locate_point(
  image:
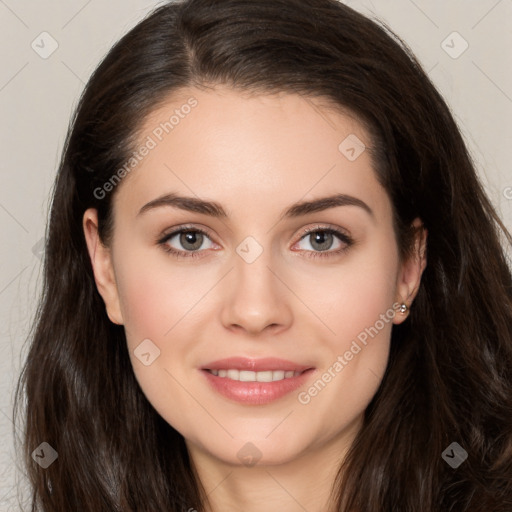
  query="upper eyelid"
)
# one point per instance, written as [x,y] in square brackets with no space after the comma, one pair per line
[173,231]
[325,227]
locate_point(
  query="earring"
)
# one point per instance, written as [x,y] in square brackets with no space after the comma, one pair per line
[403,308]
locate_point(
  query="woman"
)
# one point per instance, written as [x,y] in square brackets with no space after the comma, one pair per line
[255,369]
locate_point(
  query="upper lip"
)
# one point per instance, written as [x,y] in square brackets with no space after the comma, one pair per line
[256,365]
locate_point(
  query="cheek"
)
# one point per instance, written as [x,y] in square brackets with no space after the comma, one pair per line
[159,302]
[350,296]
[355,302]
[156,295]
[163,301]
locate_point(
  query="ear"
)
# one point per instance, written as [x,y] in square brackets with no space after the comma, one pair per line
[103,269]
[411,270]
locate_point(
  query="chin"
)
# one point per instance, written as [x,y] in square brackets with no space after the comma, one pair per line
[256,451]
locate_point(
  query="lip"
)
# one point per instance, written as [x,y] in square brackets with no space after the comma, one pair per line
[255,393]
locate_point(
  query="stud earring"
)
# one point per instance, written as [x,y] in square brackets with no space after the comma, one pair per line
[403,308]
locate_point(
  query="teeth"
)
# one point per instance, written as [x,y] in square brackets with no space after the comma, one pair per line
[233,374]
[267,376]
[250,376]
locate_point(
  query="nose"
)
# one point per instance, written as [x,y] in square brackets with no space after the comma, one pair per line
[256,297]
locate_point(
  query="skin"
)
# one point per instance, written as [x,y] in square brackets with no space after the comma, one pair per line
[256,156]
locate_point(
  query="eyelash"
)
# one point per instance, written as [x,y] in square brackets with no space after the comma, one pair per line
[343,237]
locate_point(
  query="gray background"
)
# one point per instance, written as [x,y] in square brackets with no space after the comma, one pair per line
[37,96]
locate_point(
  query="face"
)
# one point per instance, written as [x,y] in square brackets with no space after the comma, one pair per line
[258,326]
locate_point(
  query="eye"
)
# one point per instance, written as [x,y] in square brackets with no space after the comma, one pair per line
[321,239]
[190,241]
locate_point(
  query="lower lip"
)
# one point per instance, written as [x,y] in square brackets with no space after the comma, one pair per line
[255,393]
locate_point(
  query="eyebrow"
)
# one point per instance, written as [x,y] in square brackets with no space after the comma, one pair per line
[214,209]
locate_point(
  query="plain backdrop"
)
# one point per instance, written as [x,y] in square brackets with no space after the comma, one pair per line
[464,45]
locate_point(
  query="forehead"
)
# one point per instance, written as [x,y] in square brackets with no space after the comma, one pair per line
[265,148]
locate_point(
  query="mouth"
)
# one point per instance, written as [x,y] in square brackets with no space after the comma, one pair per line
[255,381]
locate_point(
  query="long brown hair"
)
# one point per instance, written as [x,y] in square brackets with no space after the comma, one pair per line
[449,377]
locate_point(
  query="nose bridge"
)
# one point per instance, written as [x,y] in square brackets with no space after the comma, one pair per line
[254,279]
[256,296]
[252,268]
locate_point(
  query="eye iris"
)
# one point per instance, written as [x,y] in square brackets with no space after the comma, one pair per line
[191,237]
[319,237]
